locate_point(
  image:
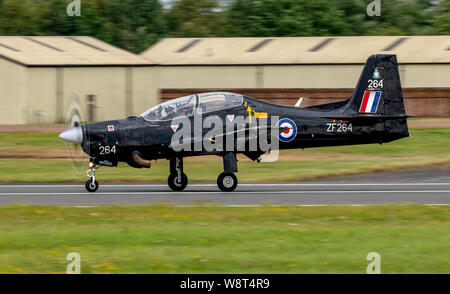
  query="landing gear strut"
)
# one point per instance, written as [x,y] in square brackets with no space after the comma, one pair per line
[91,185]
[177,180]
[227,181]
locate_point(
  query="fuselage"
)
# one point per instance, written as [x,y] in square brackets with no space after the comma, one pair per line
[114,141]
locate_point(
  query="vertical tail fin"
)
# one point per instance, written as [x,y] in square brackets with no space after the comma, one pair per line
[378,90]
[378,96]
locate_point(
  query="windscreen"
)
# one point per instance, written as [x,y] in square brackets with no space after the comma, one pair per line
[180,107]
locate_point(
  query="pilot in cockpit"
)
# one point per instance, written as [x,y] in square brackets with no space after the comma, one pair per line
[170,112]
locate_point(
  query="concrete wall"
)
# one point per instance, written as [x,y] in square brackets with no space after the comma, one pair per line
[41,96]
[425,75]
[292,76]
[53,95]
[12,93]
[208,77]
[145,89]
[119,91]
[107,84]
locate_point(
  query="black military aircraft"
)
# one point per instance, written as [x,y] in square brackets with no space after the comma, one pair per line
[374,113]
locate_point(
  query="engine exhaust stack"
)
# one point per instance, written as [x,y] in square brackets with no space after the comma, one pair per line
[141,162]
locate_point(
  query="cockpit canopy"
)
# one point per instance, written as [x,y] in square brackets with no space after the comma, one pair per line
[185,106]
[179,107]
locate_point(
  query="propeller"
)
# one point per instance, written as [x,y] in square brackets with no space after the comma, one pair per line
[73,137]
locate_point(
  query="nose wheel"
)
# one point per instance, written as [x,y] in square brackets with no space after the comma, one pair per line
[91,184]
[227,182]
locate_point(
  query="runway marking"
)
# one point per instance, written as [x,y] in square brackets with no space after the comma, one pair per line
[150,193]
[243,185]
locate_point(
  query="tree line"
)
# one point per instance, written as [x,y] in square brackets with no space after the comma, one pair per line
[136,24]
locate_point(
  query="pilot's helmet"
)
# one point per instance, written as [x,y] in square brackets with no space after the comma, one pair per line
[170,110]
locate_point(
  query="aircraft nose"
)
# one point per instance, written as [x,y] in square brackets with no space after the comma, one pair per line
[73,135]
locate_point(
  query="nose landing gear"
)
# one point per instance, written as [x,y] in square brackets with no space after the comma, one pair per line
[91,184]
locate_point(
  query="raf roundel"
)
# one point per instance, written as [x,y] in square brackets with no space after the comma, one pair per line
[288,130]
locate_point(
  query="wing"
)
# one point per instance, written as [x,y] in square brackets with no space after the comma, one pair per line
[241,136]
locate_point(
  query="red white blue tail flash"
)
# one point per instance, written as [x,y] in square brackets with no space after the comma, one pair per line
[370,101]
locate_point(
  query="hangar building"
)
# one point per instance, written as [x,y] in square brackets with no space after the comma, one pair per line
[51,79]
[324,69]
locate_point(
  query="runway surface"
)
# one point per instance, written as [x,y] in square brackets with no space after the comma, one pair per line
[431,186]
[273,193]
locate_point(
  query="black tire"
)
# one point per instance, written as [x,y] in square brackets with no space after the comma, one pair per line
[227,182]
[91,187]
[173,183]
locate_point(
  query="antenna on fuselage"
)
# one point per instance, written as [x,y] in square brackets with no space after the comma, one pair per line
[299,101]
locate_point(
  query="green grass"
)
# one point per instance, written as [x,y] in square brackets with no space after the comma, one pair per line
[428,119]
[426,146]
[30,139]
[34,171]
[217,239]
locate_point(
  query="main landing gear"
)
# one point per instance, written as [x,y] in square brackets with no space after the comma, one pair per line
[177,180]
[91,185]
[226,181]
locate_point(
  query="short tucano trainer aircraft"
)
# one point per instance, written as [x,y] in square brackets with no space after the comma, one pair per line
[196,124]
